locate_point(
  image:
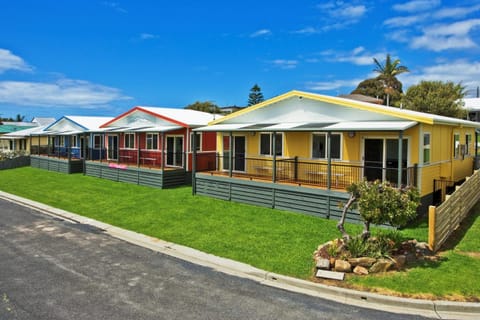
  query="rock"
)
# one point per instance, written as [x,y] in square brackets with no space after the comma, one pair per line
[423,248]
[400,261]
[342,266]
[381,265]
[361,271]
[323,264]
[362,261]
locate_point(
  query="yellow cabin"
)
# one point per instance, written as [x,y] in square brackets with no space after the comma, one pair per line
[299,151]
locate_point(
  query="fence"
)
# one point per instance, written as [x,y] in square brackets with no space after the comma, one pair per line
[293,170]
[23,161]
[446,218]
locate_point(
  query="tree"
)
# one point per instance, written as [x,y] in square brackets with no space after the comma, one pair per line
[385,86]
[389,70]
[205,106]
[19,118]
[388,73]
[380,203]
[437,97]
[255,96]
[375,87]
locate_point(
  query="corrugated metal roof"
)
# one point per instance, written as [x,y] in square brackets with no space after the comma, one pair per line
[320,105]
[315,126]
[74,124]
[186,116]
[23,133]
[472,104]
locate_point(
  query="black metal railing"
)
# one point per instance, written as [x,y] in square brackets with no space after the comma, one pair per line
[293,170]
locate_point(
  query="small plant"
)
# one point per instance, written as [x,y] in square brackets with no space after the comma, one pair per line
[357,247]
[332,249]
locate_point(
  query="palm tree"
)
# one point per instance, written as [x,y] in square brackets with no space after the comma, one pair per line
[388,73]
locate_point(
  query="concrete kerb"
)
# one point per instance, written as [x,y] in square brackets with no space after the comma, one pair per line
[428,308]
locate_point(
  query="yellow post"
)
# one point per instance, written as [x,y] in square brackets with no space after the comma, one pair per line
[431,227]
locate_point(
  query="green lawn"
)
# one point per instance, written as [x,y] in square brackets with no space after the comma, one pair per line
[273,240]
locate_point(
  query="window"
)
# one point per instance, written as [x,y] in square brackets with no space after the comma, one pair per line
[152,141]
[456,145]
[129,141]
[198,141]
[74,141]
[426,148]
[175,151]
[468,142]
[96,141]
[319,145]
[60,141]
[266,144]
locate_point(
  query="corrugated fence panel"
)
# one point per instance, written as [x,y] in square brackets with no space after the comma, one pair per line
[76,166]
[128,176]
[151,179]
[93,170]
[251,194]
[109,173]
[23,161]
[214,189]
[144,177]
[174,178]
[317,202]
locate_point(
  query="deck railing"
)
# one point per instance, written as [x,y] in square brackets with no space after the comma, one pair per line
[302,172]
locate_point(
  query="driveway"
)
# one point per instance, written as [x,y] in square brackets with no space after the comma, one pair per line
[55,269]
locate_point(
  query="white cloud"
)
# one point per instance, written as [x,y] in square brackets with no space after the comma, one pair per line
[339,14]
[284,64]
[64,92]
[352,11]
[404,21]
[115,6]
[260,33]
[458,28]
[455,12]
[343,9]
[417,5]
[447,36]
[148,36]
[358,56]
[306,30]
[9,61]
[332,85]
[461,71]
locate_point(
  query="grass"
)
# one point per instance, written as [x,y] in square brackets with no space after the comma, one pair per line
[273,240]
[454,277]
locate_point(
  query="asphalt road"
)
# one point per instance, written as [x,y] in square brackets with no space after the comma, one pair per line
[55,269]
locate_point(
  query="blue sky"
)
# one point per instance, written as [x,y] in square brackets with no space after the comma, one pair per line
[94,57]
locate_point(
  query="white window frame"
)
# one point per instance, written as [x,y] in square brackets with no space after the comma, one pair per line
[427,147]
[150,136]
[270,144]
[129,134]
[199,144]
[456,145]
[325,134]
[468,142]
[74,141]
[99,145]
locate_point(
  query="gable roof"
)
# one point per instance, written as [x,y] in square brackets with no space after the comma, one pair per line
[159,119]
[310,108]
[75,124]
[22,133]
[43,121]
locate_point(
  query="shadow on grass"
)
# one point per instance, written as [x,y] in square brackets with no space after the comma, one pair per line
[457,236]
